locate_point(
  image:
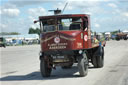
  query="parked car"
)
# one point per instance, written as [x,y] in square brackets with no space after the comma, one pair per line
[2,42]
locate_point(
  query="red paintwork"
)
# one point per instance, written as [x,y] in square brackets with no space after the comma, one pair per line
[69,40]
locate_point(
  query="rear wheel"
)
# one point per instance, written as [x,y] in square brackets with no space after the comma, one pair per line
[83,65]
[44,68]
[98,60]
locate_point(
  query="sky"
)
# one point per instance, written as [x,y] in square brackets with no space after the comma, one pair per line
[106,15]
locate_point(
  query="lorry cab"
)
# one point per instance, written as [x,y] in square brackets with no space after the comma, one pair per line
[65,32]
[65,40]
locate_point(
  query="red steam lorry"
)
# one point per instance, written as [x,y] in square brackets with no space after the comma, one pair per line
[66,39]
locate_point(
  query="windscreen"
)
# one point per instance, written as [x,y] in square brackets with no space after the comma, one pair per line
[61,24]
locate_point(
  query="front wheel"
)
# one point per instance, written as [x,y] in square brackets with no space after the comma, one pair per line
[83,65]
[98,60]
[45,70]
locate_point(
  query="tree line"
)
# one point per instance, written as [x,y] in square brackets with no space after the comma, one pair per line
[34,31]
[9,33]
[37,31]
[30,31]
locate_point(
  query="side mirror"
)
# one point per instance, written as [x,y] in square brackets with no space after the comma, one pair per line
[36,21]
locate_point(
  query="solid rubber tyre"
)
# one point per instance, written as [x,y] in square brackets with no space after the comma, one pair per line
[83,65]
[98,60]
[44,69]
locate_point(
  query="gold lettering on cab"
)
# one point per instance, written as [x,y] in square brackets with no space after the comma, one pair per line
[66,38]
[57,46]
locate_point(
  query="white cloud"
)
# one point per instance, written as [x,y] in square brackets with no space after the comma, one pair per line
[85,6]
[97,25]
[89,0]
[0,12]
[109,19]
[22,3]
[3,26]
[88,13]
[37,11]
[34,13]
[93,10]
[31,18]
[10,12]
[61,5]
[125,14]
[115,11]
[34,26]
[8,5]
[112,5]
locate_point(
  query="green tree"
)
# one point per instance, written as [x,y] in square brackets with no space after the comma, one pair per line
[14,33]
[34,31]
[31,31]
[38,31]
[114,32]
[9,33]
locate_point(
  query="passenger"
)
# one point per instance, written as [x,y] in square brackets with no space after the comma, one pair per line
[95,40]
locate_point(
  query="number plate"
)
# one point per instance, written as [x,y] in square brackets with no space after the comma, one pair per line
[58,57]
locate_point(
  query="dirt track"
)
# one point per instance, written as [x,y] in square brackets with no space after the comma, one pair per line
[20,66]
